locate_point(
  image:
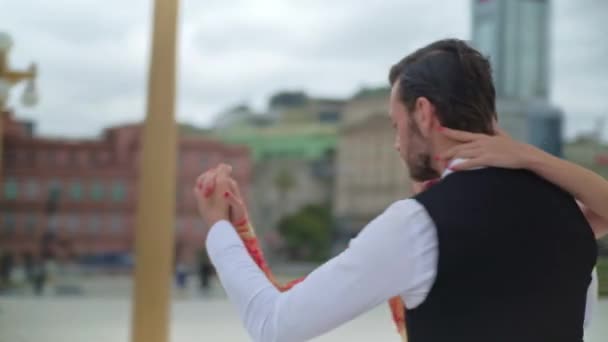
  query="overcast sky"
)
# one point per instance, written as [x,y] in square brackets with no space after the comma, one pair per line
[93,54]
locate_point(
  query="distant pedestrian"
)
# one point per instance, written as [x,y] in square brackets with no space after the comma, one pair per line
[39,275]
[205,270]
[6,268]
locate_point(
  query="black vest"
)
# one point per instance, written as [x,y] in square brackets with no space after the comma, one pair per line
[515,261]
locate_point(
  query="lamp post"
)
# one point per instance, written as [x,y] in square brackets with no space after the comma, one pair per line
[156,198]
[9,78]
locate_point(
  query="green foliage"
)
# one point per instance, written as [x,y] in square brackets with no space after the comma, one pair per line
[602,270]
[307,233]
[284,181]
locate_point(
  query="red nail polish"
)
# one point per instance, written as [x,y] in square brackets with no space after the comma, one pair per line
[440,129]
[241,222]
[208,192]
[226,194]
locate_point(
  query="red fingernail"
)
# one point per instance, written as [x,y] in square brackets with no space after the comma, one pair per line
[208,192]
[440,128]
[438,158]
[226,194]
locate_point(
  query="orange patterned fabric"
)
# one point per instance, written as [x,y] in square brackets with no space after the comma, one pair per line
[247,234]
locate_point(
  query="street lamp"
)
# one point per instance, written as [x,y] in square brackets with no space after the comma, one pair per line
[9,78]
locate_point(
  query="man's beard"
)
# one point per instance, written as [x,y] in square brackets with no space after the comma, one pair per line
[418,159]
[420,167]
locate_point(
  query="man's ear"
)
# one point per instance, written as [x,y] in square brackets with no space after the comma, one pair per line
[426,117]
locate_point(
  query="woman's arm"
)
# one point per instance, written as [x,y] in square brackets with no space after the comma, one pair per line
[586,186]
[503,151]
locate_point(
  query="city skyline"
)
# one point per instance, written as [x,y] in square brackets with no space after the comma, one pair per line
[93,55]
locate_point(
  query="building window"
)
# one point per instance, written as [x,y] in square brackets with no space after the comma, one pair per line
[50,157]
[94,224]
[84,157]
[97,191]
[8,224]
[118,191]
[32,189]
[53,223]
[98,158]
[76,191]
[329,117]
[30,224]
[73,158]
[72,224]
[10,158]
[205,163]
[10,189]
[54,190]
[116,224]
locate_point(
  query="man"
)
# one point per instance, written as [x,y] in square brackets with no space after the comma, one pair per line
[484,255]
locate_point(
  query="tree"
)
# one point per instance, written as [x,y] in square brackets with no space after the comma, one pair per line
[284,181]
[307,233]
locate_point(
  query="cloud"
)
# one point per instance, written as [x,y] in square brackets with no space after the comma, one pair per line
[93,54]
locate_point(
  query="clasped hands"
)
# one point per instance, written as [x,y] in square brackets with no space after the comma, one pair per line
[218,197]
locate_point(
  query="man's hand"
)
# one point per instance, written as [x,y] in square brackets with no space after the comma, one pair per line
[211,191]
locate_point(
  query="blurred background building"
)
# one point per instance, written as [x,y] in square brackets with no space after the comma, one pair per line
[515,35]
[314,168]
[370,172]
[83,193]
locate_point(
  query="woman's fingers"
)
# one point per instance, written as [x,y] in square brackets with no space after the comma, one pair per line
[209,184]
[468,164]
[210,180]
[455,151]
[468,153]
[234,187]
[238,208]
[502,133]
[461,136]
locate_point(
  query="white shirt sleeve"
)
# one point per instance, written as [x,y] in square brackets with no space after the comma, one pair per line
[395,254]
[592,298]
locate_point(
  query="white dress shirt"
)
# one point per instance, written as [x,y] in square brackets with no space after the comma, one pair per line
[395,254]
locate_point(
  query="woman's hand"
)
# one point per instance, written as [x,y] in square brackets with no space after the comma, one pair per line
[219,179]
[239,215]
[485,150]
[597,223]
[210,191]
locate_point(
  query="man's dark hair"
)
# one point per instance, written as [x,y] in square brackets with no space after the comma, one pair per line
[455,78]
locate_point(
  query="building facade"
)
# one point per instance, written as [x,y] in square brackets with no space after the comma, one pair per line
[292,168]
[84,192]
[514,34]
[369,172]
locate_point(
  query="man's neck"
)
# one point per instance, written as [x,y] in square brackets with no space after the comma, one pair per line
[442,145]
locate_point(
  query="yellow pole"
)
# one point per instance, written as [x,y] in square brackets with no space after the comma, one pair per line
[3,67]
[1,145]
[155,212]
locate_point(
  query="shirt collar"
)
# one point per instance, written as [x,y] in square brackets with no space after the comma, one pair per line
[452,163]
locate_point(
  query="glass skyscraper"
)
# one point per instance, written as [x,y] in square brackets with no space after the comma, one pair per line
[514,34]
